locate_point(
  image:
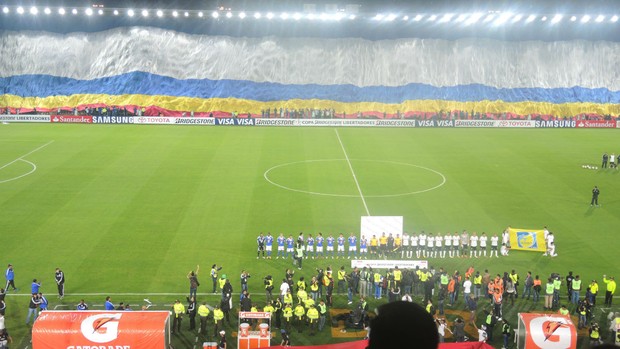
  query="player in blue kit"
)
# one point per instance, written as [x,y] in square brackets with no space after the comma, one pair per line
[340,251]
[310,246]
[330,245]
[319,246]
[363,248]
[280,240]
[352,246]
[268,245]
[290,246]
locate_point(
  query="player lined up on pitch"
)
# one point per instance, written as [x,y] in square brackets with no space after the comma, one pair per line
[392,246]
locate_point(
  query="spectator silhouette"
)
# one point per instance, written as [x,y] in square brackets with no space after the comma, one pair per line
[401,322]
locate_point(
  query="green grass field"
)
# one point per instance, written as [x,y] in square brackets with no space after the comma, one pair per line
[129,210]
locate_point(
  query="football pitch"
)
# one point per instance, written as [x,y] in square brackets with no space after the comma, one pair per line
[128,211]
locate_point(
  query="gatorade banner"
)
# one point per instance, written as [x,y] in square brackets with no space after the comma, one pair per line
[527,239]
[101,329]
[546,331]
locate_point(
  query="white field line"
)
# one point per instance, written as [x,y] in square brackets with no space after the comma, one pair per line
[23,156]
[353,173]
[118,294]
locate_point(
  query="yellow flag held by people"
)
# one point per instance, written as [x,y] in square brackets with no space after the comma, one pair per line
[527,239]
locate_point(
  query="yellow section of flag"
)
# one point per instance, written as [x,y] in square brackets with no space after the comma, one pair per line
[527,239]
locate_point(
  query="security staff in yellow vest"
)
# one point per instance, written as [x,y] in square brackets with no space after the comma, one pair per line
[595,335]
[313,318]
[477,285]
[576,290]
[299,313]
[218,316]
[342,275]
[314,289]
[398,276]
[203,314]
[309,302]
[594,291]
[179,310]
[288,298]
[377,279]
[287,312]
[322,314]
[563,310]
[302,295]
[611,289]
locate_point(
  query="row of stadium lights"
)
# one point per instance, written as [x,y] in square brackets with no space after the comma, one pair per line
[492,18]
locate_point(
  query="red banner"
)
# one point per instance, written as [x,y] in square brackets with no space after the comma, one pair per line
[72,119]
[98,329]
[363,344]
[596,124]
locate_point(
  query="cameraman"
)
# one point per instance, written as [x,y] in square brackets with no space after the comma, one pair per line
[268,281]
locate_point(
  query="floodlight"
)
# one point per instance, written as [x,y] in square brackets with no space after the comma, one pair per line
[446,18]
[34,11]
[5,9]
[159,13]
[432,18]
[585,19]
[186,14]
[614,19]
[474,18]
[311,16]
[175,14]
[405,18]
[544,18]
[556,19]
[130,13]
[47,11]
[489,18]
[242,15]
[269,15]
[390,17]
[351,17]
[20,10]
[215,14]
[257,15]
[61,11]
[323,17]
[573,18]
[503,18]
[378,17]
[600,18]
[74,11]
[89,11]
[100,12]
[338,16]
[284,15]
[530,18]
[418,18]
[517,18]
[200,14]
[116,12]
[229,14]
[145,13]
[460,18]
[296,16]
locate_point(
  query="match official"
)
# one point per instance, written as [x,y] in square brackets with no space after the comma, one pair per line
[60,282]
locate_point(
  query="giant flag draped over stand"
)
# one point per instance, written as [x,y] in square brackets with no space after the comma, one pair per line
[177,72]
[527,239]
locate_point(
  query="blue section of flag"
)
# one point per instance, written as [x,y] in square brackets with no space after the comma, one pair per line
[156,85]
[527,239]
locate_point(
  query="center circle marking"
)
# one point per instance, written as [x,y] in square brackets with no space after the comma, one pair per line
[266,176]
